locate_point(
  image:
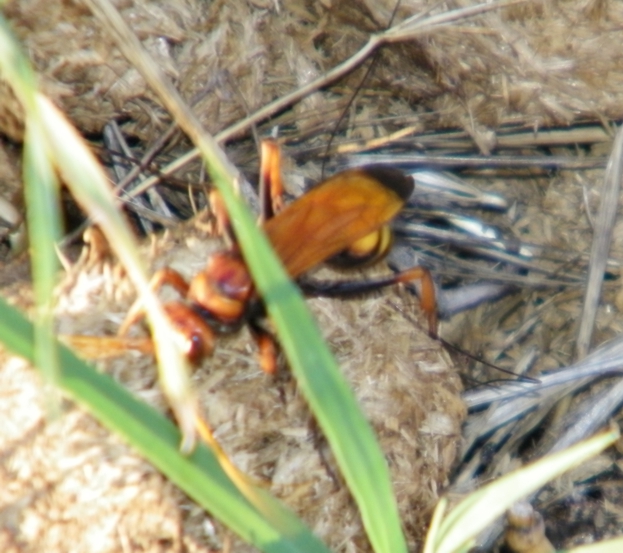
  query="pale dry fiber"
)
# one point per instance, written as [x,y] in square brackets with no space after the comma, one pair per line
[68,485]
[533,64]
[406,385]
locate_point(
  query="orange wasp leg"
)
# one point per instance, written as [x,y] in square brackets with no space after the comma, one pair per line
[271,184]
[267,347]
[270,192]
[198,338]
[166,276]
[223,225]
[427,294]
[103,347]
[271,203]
[428,299]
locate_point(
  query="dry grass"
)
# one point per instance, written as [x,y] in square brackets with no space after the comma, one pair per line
[494,81]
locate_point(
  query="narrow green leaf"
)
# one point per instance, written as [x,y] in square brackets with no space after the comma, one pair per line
[42,198]
[200,475]
[347,430]
[41,194]
[15,66]
[481,507]
[349,434]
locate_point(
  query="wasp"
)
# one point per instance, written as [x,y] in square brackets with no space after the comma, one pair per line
[343,221]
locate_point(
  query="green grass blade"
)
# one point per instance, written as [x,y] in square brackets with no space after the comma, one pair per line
[349,434]
[81,172]
[42,198]
[200,475]
[275,528]
[41,194]
[480,508]
[90,187]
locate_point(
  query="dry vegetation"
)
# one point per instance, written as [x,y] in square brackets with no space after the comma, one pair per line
[537,79]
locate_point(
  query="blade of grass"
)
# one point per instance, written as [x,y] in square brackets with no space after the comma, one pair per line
[89,186]
[349,434]
[472,515]
[82,173]
[42,198]
[200,475]
[41,194]
[84,176]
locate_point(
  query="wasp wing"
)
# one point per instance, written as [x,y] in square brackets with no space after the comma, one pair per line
[335,214]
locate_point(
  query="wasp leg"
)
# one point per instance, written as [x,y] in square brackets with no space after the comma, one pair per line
[223,224]
[197,338]
[427,294]
[166,276]
[271,184]
[105,347]
[266,345]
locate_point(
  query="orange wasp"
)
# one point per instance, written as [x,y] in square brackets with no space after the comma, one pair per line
[342,221]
